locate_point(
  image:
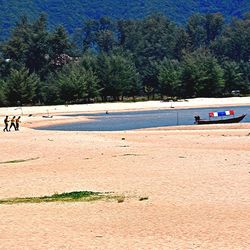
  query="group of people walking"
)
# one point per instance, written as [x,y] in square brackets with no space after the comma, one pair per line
[14,123]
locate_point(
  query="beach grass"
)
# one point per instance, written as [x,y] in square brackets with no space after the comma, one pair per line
[79,196]
[120,199]
[19,161]
[143,198]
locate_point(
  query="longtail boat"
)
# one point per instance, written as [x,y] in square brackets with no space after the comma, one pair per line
[213,115]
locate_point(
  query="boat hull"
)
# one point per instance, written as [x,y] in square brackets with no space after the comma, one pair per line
[223,121]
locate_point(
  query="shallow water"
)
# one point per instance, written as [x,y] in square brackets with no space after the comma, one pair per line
[119,121]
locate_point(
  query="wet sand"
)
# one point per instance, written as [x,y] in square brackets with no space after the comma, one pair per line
[196,180]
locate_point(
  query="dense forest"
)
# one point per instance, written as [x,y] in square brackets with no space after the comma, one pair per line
[71,14]
[111,59]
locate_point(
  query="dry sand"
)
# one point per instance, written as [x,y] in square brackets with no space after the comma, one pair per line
[197,180]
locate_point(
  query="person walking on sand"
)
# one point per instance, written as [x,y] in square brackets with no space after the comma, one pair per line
[6,123]
[17,123]
[12,123]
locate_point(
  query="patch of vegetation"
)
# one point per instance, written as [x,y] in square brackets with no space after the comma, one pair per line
[125,155]
[80,196]
[121,199]
[143,198]
[131,155]
[19,161]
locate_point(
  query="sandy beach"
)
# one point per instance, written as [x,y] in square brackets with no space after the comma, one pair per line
[196,180]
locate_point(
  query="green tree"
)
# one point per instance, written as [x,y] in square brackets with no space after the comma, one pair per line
[59,48]
[91,85]
[51,91]
[38,47]
[150,40]
[21,87]
[89,61]
[182,44]
[105,40]
[214,27]
[59,42]
[196,30]
[232,76]
[234,43]
[204,29]
[118,75]
[169,77]
[28,44]
[97,35]
[5,67]
[201,75]
[17,45]
[31,44]
[76,84]
[2,94]
[84,37]
[245,69]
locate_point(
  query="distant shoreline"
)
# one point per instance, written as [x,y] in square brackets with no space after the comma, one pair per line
[32,117]
[125,106]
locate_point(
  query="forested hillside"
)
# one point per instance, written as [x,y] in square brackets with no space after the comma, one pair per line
[72,13]
[110,59]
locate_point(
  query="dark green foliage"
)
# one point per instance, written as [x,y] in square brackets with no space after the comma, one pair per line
[2,94]
[5,67]
[105,40]
[232,76]
[236,76]
[150,40]
[118,75]
[245,69]
[37,46]
[182,43]
[89,61]
[97,35]
[30,44]
[17,45]
[169,77]
[214,26]
[201,75]
[196,30]
[59,42]
[204,29]
[51,91]
[234,43]
[76,84]
[21,87]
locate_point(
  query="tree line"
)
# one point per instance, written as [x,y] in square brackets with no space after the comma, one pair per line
[106,60]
